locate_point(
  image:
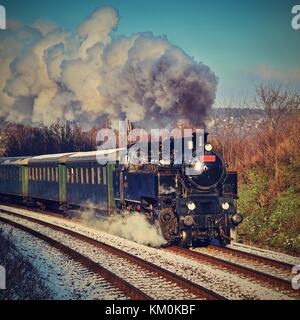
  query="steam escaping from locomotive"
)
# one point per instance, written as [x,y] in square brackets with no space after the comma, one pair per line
[86,76]
[132,226]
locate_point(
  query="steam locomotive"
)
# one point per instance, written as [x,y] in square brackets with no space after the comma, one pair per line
[187,209]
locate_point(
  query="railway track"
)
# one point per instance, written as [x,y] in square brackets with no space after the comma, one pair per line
[116,281]
[253,257]
[269,279]
[165,279]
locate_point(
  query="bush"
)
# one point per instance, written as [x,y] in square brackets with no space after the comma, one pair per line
[271,221]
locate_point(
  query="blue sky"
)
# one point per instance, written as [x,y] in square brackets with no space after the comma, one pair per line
[243,42]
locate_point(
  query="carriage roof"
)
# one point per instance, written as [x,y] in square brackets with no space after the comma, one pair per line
[14,161]
[51,158]
[92,155]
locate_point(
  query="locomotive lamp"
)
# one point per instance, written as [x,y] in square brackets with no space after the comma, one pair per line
[208,147]
[237,219]
[191,206]
[188,221]
[225,205]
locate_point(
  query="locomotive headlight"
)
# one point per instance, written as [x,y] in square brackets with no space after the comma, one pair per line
[225,206]
[188,221]
[198,166]
[237,219]
[191,205]
[208,147]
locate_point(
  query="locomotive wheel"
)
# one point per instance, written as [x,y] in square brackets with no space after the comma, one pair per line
[224,237]
[168,224]
[183,242]
[186,240]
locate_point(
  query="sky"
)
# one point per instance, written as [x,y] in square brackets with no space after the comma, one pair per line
[243,42]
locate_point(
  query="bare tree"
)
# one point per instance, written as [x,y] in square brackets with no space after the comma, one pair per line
[279,105]
[277,102]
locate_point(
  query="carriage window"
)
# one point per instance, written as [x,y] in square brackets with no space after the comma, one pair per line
[56,174]
[87,176]
[76,175]
[36,174]
[93,175]
[98,175]
[81,175]
[104,176]
[72,175]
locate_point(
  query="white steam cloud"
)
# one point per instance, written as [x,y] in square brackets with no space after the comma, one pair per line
[47,74]
[132,226]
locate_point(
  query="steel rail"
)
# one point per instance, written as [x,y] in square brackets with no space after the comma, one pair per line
[256,274]
[250,256]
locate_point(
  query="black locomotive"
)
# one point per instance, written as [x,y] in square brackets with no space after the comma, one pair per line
[188,209]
